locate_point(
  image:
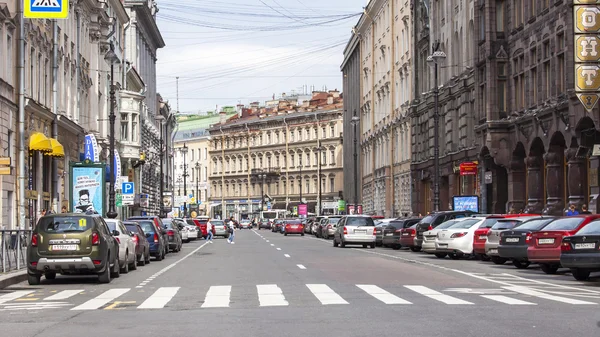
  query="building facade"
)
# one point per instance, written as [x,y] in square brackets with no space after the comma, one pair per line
[537,135]
[386,82]
[299,153]
[445,26]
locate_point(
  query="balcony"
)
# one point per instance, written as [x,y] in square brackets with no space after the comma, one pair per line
[270,172]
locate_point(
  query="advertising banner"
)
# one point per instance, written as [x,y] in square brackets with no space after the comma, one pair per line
[466,203]
[87,188]
[303,209]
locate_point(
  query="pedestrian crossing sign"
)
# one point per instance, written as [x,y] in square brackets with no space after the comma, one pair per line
[46,9]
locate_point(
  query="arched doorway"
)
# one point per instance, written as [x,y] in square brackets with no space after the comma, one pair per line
[496,192]
[555,175]
[535,177]
[517,180]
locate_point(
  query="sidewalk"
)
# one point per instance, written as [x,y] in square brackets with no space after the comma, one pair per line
[12,277]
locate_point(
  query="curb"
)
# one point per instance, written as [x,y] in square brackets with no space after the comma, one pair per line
[12,278]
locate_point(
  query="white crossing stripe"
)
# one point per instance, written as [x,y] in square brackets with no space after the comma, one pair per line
[101,299]
[286,255]
[270,295]
[278,248]
[217,297]
[63,295]
[436,295]
[301,266]
[14,295]
[325,294]
[507,300]
[531,292]
[382,295]
[34,306]
[160,298]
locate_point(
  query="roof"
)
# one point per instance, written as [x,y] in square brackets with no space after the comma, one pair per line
[256,119]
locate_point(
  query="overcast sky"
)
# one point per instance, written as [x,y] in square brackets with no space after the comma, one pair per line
[239,51]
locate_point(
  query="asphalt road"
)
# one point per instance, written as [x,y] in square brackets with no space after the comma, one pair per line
[270,285]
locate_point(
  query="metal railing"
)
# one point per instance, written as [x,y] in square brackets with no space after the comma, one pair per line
[13,248]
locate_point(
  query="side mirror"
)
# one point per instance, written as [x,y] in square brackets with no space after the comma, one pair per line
[115,233]
[148,235]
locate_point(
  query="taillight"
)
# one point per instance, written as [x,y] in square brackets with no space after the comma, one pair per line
[374,230]
[170,233]
[118,240]
[34,240]
[411,231]
[155,238]
[565,246]
[430,228]
[329,227]
[458,235]
[345,230]
[95,239]
[135,239]
[528,238]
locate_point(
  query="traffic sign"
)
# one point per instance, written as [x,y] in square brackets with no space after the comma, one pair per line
[46,9]
[127,199]
[127,188]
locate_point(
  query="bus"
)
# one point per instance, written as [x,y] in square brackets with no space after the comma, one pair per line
[273,214]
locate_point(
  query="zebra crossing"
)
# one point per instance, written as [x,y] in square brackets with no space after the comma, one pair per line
[272,295]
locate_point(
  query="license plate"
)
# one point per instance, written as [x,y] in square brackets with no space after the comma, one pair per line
[360,232]
[405,234]
[63,247]
[294,226]
[482,237]
[443,245]
[493,251]
[545,241]
[512,239]
[585,245]
[389,234]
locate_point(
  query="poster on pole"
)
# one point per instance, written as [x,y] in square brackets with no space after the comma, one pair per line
[88,193]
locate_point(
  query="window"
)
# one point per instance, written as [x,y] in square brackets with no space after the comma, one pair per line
[9,58]
[307,187]
[324,158]
[532,12]
[292,160]
[292,136]
[481,23]
[205,173]
[560,62]
[316,158]
[518,12]
[205,153]
[269,138]
[307,159]
[292,187]
[332,131]
[499,16]
[307,131]
[324,133]
[331,184]
[332,157]
[125,127]
[502,87]
[276,137]
[299,135]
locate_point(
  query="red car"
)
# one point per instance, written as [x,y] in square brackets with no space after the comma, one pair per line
[293,227]
[201,223]
[480,235]
[408,235]
[544,246]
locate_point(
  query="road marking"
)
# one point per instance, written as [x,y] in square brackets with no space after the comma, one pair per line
[165,269]
[101,299]
[115,304]
[160,298]
[217,297]
[278,248]
[270,295]
[301,266]
[325,294]
[531,292]
[63,295]
[382,295]
[34,306]
[507,300]
[268,241]
[436,295]
[14,295]
[286,255]
[272,245]
[27,299]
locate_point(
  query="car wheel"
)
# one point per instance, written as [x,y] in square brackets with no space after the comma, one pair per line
[365,245]
[142,261]
[285,234]
[33,280]
[440,255]
[549,268]
[415,249]
[454,256]
[147,256]
[125,267]
[133,265]
[373,246]
[104,277]
[498,260]
[396,247]
[116,272]
[483,257]
[302,234]
[521,264]
[580,274]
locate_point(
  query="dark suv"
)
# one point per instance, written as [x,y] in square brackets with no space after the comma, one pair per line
[432,220]
[157,236]
[72,244]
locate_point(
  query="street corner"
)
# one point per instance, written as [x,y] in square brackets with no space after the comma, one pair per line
[11,278]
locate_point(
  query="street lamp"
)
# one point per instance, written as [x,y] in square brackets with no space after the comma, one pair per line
[112,58]
[300,167]
[161,119]
[355,120]
[197,185]
[320,202]
[262,177]
[179,186]
[433,60]
[184,150]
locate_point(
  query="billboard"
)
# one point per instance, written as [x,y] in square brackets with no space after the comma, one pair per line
[587,70]
[87,184]
[465,203]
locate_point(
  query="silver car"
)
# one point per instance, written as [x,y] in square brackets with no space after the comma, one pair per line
[220,228]
[355,230]
[329,223]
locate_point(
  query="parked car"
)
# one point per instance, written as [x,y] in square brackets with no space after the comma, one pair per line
[192,230]
[355,230]
[428,244]
[155,235]
[69,243]
[161,233]
[408,236]
[393,231]
[328,225]
[263,223]
[457,240]
[183,230]
[493,236]
[220,228]
[513,243]
[142,247]
[127,258]
[175,240]
[546,247]
[581,252]
[433,220]
[480,236]
[245,223]
[293,227]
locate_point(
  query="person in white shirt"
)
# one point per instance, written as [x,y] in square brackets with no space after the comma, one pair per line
[209,236]
[231,231]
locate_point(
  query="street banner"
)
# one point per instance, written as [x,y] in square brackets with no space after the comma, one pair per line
[303,209]
[87,184]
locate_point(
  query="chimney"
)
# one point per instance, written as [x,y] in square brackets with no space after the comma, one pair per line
[329,100]
[222,117]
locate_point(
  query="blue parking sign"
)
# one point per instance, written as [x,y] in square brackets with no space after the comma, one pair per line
[127,188]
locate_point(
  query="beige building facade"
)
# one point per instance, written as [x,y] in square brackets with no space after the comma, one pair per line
[300,154]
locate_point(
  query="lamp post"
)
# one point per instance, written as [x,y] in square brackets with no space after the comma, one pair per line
[355,121]
[112,58]
[197,185]
[433,60]
[179,186]
[320,202]
[161,118]
[262,176]
[184,150]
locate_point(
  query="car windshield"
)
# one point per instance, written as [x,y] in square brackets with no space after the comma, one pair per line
[112,225]
[564,224]
[132,228]
[65,224]
[465,224]
[505,224]
[428,219]
[168,225]
[489,223]
[396,224]
[217,223]
[360,221]
[334,220]
[447,224]
[147,226]
[593,228]
[293,222]
[535,225]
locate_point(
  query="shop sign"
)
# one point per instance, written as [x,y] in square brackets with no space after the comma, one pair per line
[468,169]
[586,23]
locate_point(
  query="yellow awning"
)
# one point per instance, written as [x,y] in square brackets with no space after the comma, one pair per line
[57,149]
[39,142]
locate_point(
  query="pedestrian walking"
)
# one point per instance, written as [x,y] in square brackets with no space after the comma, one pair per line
[584,209]
[209,228]
[231,231]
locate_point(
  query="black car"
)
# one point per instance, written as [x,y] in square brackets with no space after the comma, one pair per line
[514,242]
[581,252]
[173,235]
[391,232]
[142,247]
[432,220]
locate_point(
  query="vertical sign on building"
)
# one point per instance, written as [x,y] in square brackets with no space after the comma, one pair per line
[587,52]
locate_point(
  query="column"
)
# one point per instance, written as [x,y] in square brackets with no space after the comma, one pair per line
[516,184]
[535,185]
[554,182]
[576,178]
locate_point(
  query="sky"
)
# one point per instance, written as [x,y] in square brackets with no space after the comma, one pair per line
[240,51]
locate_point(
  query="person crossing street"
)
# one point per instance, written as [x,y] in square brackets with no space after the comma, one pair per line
[209,229]
[231,231]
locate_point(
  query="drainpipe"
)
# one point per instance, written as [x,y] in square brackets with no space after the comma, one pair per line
[390,186]
[55,110]
[126,67]
[250,204]
[223,210]
[21,122]
[78,68]
[287,167]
